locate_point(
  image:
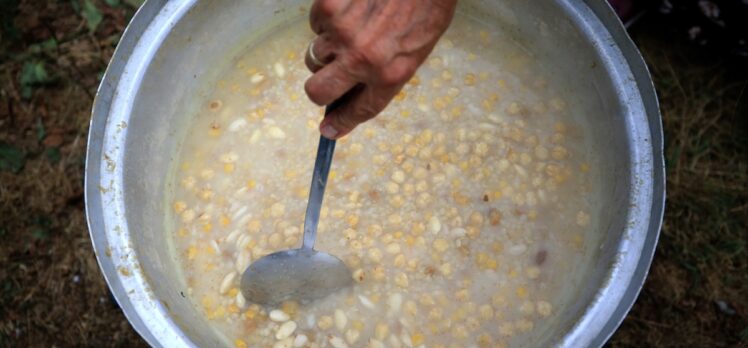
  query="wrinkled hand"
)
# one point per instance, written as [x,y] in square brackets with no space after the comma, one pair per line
[370,48]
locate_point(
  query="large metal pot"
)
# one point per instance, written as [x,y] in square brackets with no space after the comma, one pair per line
[172,47]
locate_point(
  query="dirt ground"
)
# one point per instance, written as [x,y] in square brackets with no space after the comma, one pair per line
[53,52]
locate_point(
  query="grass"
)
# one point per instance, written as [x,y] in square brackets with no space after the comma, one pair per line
[702,256]
[51,291]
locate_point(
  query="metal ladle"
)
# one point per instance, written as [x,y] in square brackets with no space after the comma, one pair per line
[302,274]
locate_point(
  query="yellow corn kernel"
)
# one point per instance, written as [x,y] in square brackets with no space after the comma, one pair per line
[207,302]
[486,262]
[207,227]
[484,340]
[191,252]
[205,194]
[210,250]
[333,174]
[233,308]
[224,220]
[416,338]
[441,245]
[470,80]
[232,292]
[239,343]
[228,167]
[410,240]
[400,95]
[214,132]
[521,292]
[179,206]
[251,313]
[182,232]
[254,226]
[290,308]
[353,220]
[456,111]
[414,81]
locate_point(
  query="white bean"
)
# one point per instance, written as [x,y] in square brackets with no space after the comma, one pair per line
[352,335]
[405,337]
[233,236]
[240,300]
[279,69]
[276,133]
[237,125]
[215,246]
[394,302]
[255,137]
[366,302]
[285,330]
[435,225]
[226,283]
[257,78]
[338,342]
[394,342]
[286,343]
[341,320]
[300,341]
[374,343]
[278,315]
[242,261]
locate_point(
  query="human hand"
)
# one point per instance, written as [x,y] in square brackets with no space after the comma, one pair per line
[368,50]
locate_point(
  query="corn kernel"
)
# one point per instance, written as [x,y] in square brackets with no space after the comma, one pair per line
[224,220]
[325,322]
[401,280]
[521,292]
[179,206]
[400,95]
[290,308]
[417,339]
[470,80]
[543,308]
[381,330]
[207,227]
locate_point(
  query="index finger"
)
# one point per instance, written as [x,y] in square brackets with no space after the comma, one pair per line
[329,83]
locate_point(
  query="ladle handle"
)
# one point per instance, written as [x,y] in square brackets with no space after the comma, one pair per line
[317,191]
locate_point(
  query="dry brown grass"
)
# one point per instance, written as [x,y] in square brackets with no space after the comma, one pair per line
[701,257]
[52,293]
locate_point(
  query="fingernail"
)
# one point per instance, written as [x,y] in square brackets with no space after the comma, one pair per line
[328,131]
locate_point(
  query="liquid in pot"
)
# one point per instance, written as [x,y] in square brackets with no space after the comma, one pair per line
[463,209]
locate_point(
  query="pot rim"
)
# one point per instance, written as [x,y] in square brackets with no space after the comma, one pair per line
[130,287]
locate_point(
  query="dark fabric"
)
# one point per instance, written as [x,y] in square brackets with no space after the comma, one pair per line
[720,26]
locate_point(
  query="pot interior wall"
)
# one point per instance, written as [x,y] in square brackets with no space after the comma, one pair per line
[209,36]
